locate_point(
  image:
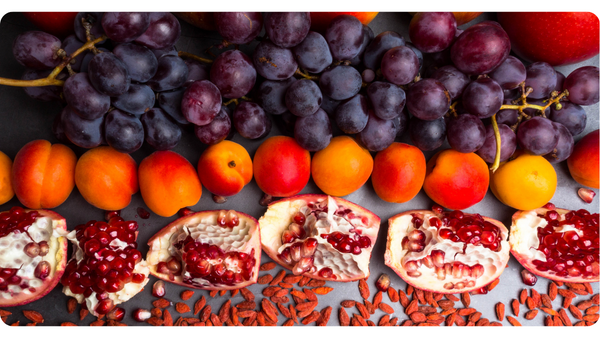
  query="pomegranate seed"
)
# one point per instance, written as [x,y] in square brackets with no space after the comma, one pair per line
[42,270]
[174,265]
[586,195]
[104,306]
[32,249]
[141,315]
[437,209]
[184,212]
[116,314]
[143,213]
[383,283]
[158,289]
[299,218]
[528,278]
[44,248]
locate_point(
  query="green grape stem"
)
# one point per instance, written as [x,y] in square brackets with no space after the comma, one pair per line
[194,57]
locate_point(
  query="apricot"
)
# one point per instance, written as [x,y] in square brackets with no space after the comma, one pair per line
[319,21]
[342,167]
[398,172]
[583,162]
[168,182]
[225,168]
[456,180]
[6,189]
[43,174]
[106,178]
[281,166]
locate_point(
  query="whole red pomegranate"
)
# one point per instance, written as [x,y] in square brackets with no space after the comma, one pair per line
[446,251]
[209,250]
[320,236]
[33,254]
[557,244]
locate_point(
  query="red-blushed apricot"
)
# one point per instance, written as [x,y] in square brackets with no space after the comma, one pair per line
[281,166]
[456,180]
[225,168]
[168,182]
[43,174]
[583,162]
[6,189]
[106,178]
[398,172]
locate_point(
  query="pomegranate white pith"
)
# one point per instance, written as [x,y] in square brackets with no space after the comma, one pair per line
[320,236]
[442,254]
[209,250]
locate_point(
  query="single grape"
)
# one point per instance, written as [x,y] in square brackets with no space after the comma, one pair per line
[43,93]
[123,132]
[329,105]
[508,144]
[216,131]
[251,121]
[453,80]
[84,98]
[273,62]
[164,30]
[344,35]
[170,102]
[432,32]
[400,65]
[542,78]
[427,135]
[377,48]
[378,134]
[88,57]
[537,135]
[483,97]
[466,133]
[303,97]
[428,99]
[582,85]
[233,73]
[196,71]
[560,80]
[166,51]
[570,115]
[563,148]
[201,102]
[141,63]
[37,50]
[70,44]
[95,19]
[238,27]
[351,116]
[172,72]
[108,74]
[418,53]
[313,132]
[510,117]
[125,26]
[480,48]
[313,53]
[368,75]
[387,99]
[137,100]
[81,132]
[287,29]
[368,36]
[160,130]
[512,94]
[340,82]
[271,95]
[510,73]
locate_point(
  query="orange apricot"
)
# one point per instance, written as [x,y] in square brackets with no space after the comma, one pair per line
[583,162]
[398,172]
[6,189]
[225,168]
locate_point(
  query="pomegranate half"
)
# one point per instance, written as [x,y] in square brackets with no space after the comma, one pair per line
[106,268]
[446,251]
[209,250]
[320,236]
[33,254]
[557,244]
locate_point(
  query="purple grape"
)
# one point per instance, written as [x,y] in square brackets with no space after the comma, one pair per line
[84,98]
[351,116]
[81,132]
[560,80]
[480,48]
[512,94]
[313,53]
[340,82]
[537,135]
[432,32]
[387,99]
[329,105]
[427,135]
[251,121]
[453,80]
[271,95]
[483,98]
[273,62]
[287,29]
[95,19]
[137,100]
[43,93]
[378,134]
[434,61]
[201,102]
[368,75]
[172,72]
[428,99]
[542,78]
[70,44]
[196,71]
[510,73]
[164,30]
[508,144]
[216,131]
[160,130]
[345,36]
[400,65]
[313,132]
[108,74]
[510,117]
[238,27]
[88,57]
[303,97]
[466,133]
[37,50]
[582,85]
[125,26]
[123,132]
[379,46]
[368,36]
[571,115]
[141,63]
[232,72]
[170,102]
[418,53]
[564,147]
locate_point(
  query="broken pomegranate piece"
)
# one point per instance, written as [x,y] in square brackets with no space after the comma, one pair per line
[558,244]
[320,236]
[106,268]
[209,250]
[446,251]
[33,254]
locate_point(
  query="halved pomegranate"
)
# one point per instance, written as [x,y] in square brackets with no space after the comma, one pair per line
[446,251]
[106,268]
[320,236]
[557,244]
[209,250]
[33,254]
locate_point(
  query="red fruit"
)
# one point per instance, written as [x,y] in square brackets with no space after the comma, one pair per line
[558,38]
[23,276]
[320,20]
[559,244]
[333,230]
[209,250]
[55,23]
[448,252]
[584,161]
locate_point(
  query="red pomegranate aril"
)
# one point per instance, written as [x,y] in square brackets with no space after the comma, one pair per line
[116,314]
[174,265]
[299,218]
[143,213]
[141,315]
[32,249]
[104,306]
[326,273]
[42,270]
[158,289]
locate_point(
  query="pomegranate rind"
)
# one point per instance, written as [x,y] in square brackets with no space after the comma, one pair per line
[280,213]
[58,250]
[517,238]
[159,245]
[398,229]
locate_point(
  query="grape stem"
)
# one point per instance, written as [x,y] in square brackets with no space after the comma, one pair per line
[498,143]
[194,57]
[306,75]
